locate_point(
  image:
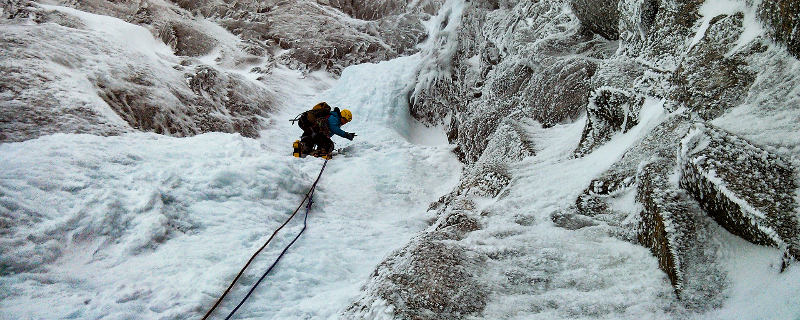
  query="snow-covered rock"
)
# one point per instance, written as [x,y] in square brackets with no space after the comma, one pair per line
[677,233]
[784,26]
[527,60]
[552,61]
[309,35]
[63,79]
[747,189]
[710,80]
[609,111]
[599,17]
[15,9]
[432,277]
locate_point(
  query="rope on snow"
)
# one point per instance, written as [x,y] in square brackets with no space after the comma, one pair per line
[309,196]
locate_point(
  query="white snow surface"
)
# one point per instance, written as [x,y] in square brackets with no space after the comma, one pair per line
[143,226]
[153,226]
[132,37]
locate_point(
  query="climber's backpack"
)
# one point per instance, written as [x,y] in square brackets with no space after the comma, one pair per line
[315,119]
[319,114]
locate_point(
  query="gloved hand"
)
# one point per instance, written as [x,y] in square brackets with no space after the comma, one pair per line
[350,136]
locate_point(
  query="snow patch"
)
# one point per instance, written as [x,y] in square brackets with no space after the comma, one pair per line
[713,8]
[132,37]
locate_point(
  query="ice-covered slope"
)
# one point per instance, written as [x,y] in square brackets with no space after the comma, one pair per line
[142,225]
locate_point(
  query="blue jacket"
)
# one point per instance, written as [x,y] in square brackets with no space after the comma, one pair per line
[335,124]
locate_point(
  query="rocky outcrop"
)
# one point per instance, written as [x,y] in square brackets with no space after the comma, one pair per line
[185,40]
[322,34]
[433,277]
[747,189]
[657,31]
[660,143]
[57,80]
[666,226]
[784,26]
[676,231]
[558,93]
[489,175]
[534,62]
[479,80]
[599,17]
[34,99]
[609,111]
[13,9]
[709,80]
[371,10]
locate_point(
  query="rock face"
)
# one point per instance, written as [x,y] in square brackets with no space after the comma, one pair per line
[529,60]
[60,81]
[599,17]
[609,111]
[535,62]
[678,233]
[14,8]
[430,278]
[708,81]
[784,27]
[314,34]
[748,190]
[184,40]
[667,225]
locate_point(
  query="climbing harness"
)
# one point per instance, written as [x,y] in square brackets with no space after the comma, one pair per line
[309,196]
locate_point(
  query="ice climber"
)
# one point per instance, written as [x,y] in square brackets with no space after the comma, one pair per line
[319,124]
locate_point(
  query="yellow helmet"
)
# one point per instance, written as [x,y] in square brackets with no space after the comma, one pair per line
[346,115]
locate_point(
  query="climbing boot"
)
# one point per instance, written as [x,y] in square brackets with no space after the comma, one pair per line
[298,149]
[322,154]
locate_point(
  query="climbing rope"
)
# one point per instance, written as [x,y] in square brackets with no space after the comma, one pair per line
[309,196]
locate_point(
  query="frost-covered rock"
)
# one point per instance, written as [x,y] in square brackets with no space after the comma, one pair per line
[15,9]
[598,201]
[527,61]
[636,19]
[489,175]
[535,61]
[619,72]
[59,79]
[304,35]
[186,40]
[659,143]
[432,277]
[709,80]
[558,93]
[609,111]
[674,229]
[784,26]
[666,225]
[379,9]
[747,189]
[658,32]
[323,34]
[600,17]
[38,97]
